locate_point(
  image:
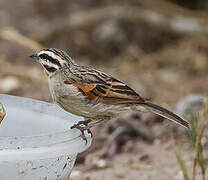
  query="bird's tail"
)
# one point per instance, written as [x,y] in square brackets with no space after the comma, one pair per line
[166,113]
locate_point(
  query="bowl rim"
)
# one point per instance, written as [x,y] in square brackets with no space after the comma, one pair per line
[71,146]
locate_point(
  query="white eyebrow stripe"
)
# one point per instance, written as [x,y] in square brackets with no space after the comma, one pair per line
[49,53]
[53,55]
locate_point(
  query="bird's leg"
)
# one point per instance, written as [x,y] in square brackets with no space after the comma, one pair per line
[85,123]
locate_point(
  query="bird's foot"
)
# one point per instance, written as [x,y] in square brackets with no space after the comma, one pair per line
[82,126]
[85,126]
[83,123]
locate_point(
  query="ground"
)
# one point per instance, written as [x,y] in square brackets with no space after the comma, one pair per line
[146,162]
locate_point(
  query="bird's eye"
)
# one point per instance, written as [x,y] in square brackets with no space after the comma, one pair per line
[43,56]
[51,59]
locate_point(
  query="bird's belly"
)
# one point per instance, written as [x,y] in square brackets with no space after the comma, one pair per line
[91,110]
[73,101]
[82,107]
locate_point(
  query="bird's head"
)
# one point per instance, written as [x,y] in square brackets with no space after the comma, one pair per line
[52,60]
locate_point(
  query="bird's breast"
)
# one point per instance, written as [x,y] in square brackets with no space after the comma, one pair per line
[71,99]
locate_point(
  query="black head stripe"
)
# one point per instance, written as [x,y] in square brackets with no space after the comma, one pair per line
[49,69]
[49,58]
[59,53]
[56,52]
[53,50]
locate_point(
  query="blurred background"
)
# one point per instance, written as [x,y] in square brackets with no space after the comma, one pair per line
[158,47]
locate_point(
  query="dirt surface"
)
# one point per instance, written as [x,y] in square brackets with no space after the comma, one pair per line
[146,162]
[156,46]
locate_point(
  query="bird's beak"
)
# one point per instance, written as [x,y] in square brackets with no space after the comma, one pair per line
[34,56]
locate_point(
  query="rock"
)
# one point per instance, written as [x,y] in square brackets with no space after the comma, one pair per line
[185,107]
[9,83]
[128,126]
[108,33]
[192,103]
[184,25]
[95,162]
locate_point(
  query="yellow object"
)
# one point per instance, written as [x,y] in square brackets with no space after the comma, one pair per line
[2,112]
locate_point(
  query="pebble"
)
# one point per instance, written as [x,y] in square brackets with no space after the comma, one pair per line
[75,173]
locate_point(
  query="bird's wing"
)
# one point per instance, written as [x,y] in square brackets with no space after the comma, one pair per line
[110,91]
[100,87]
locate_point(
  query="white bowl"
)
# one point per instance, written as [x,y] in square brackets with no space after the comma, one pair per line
[36,142]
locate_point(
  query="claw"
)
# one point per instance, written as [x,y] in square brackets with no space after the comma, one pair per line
[85,123]
[82,126]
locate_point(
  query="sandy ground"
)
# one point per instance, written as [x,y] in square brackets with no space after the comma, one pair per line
[147,162]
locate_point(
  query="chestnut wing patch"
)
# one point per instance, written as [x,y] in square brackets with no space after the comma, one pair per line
[112,92]
[92,91]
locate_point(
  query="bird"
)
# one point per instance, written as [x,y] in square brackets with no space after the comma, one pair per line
[91,93]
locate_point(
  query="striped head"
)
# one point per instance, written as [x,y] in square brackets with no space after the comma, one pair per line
[52,60]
